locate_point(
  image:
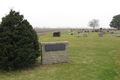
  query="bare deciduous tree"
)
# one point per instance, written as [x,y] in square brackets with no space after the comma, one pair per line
[93,23]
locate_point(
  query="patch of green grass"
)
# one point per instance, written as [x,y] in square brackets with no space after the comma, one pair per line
[90,58]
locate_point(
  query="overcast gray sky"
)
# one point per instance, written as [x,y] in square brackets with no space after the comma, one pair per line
[63,13]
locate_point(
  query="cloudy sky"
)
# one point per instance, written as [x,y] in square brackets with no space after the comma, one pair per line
[63,13]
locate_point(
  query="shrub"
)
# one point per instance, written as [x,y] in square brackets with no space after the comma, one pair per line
[19,44]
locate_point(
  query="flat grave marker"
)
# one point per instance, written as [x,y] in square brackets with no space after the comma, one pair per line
[84,35]
[80,33]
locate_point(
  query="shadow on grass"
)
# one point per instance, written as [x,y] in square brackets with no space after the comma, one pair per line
[26,68]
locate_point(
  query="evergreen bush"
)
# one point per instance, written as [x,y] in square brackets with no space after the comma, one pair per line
[19,44]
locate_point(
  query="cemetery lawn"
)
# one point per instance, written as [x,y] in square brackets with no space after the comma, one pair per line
[90,58]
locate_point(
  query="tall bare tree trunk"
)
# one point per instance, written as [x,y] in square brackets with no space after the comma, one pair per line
[94,29]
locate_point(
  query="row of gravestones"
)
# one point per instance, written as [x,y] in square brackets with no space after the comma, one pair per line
[112,33]
[107,32]
[57,34]
[65,32]
[79,32]
[90,30]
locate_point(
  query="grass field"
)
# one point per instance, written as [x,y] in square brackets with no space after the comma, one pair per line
[90,58]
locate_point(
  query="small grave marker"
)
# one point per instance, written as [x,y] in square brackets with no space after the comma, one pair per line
[88,32]
[80,33]
[104,32]
[56,34]
[112,32]
[100,35]
[84,35]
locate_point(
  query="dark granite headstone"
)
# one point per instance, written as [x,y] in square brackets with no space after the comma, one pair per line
[56,34]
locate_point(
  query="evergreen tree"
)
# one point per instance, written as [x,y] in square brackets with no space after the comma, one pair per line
[19,44]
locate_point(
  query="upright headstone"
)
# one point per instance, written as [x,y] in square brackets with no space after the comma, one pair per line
[100,35]
[54,52]
[84,35]
[112,32]
[56,34]
[88,32]
[80,33]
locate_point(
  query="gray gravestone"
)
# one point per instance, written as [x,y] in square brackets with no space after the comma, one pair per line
[88,32]
[84,35]
[112,32]
[100,35]
[80,33]
[54,52]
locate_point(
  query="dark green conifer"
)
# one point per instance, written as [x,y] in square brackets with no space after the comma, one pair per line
[19,44]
